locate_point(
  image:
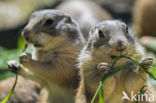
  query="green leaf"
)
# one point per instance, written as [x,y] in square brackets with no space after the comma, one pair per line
[9,55]
[135,55]
[11,92]
[101,100]
[117,69]
[21,44]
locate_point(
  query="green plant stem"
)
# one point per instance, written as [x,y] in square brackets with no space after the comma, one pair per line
[107,76]
[101,99]
[21,48]
[117,69]
[97,91]
[11,92]
[141,67]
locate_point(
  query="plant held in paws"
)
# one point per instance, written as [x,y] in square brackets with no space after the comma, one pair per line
[113,58]
[56,41]
[117,69]
[21,48]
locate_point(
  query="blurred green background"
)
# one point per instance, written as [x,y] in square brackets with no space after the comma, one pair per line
[9,54]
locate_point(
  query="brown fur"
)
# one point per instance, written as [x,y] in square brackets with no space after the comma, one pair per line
[144,17]
[54,57]
[94,55]
[26,91]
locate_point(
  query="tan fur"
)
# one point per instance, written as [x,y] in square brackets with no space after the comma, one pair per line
[26,91]
[53,64]
[144,17]
[91,57]
[59,74]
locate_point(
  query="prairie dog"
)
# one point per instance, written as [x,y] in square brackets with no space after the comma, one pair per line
[107,40]
[144,17]
[57,41]
[85,12]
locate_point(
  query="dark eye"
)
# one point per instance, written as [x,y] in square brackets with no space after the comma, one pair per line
[101,35]
[126,30]
[48,22]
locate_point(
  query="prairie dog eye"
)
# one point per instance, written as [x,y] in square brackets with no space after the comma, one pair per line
[125,28]
[48,22]
[101,35]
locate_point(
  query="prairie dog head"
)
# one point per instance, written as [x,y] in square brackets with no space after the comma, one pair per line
[50,28]
[110,39]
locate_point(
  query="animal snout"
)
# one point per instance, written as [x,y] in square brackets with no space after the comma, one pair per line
[26,33]
[120,45]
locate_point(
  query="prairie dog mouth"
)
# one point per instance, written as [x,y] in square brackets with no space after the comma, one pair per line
[33,43]
[37,45]
[114,56]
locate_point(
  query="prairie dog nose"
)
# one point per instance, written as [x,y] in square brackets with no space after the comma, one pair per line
[120,45]
[26,33]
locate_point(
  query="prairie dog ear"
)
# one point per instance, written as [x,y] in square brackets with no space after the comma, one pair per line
[93,29]
[92,33]
[124,27]
[68,19]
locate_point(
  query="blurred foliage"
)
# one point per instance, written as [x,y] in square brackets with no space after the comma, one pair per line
[6,55]
[153,82]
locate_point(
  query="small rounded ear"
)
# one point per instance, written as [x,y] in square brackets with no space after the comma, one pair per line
[92,30]
[92,33]
[68,19]
[124,27]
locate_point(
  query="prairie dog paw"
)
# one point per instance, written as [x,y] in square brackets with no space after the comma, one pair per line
[147,62]
[104,68]
[13,66]
[25,58]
